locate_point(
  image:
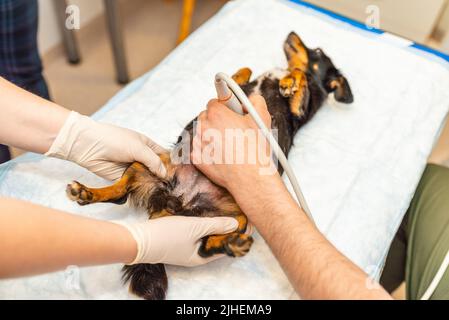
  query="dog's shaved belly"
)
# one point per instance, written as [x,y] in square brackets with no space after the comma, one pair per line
[194,188]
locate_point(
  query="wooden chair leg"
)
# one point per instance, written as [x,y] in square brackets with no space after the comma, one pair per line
[186,20]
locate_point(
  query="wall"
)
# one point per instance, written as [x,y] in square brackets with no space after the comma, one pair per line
[49,35]
[443,25]
[412,19]
[446,43]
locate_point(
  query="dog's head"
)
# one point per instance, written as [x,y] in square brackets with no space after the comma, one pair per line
[318,65]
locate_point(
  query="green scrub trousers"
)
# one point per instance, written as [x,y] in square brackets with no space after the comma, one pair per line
[422,240]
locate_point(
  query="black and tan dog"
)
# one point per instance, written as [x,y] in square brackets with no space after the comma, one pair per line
[293,96]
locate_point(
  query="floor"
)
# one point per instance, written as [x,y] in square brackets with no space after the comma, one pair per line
[150,30]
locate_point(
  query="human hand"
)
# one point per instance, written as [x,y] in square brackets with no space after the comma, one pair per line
[104,149]
[176,239]
[216,122]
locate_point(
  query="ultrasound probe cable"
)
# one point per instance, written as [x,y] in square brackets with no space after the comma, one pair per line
[230,94]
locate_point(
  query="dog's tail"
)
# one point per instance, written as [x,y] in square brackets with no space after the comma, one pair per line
[148,281]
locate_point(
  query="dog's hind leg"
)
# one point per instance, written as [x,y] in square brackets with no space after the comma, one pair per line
[295,87]
[242,76]
[117,193]
[235,244]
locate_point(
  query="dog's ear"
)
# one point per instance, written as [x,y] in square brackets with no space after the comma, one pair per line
[339,85]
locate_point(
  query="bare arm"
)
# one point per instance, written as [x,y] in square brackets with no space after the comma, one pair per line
[36,239]
[316,269]
[28,121]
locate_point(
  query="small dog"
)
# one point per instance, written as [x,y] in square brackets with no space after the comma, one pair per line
[293,96]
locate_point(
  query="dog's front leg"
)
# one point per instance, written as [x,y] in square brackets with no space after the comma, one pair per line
[117,193]
[242,76]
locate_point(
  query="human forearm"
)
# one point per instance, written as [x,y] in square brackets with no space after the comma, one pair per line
[316,269]
[28,121]
[35,239]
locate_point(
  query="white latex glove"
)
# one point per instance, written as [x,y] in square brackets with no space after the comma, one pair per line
[104,149]
[176,239]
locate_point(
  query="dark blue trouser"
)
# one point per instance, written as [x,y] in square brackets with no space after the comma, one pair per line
[19,57]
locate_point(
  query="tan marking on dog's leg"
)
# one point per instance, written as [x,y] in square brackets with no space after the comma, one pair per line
[242,76]
[296,52]
[85,195]
[298,101]
[295,87]
[160,214]
[235,244]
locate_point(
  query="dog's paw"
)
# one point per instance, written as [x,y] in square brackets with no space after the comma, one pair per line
[238,245]
[79,193]
[233,244]
[288,86]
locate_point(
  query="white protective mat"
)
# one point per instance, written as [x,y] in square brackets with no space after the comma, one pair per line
[358,164]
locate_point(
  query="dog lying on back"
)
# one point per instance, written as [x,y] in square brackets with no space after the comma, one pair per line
[293,96]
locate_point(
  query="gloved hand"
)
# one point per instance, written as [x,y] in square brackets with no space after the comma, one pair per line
[104,149]
[176,239]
